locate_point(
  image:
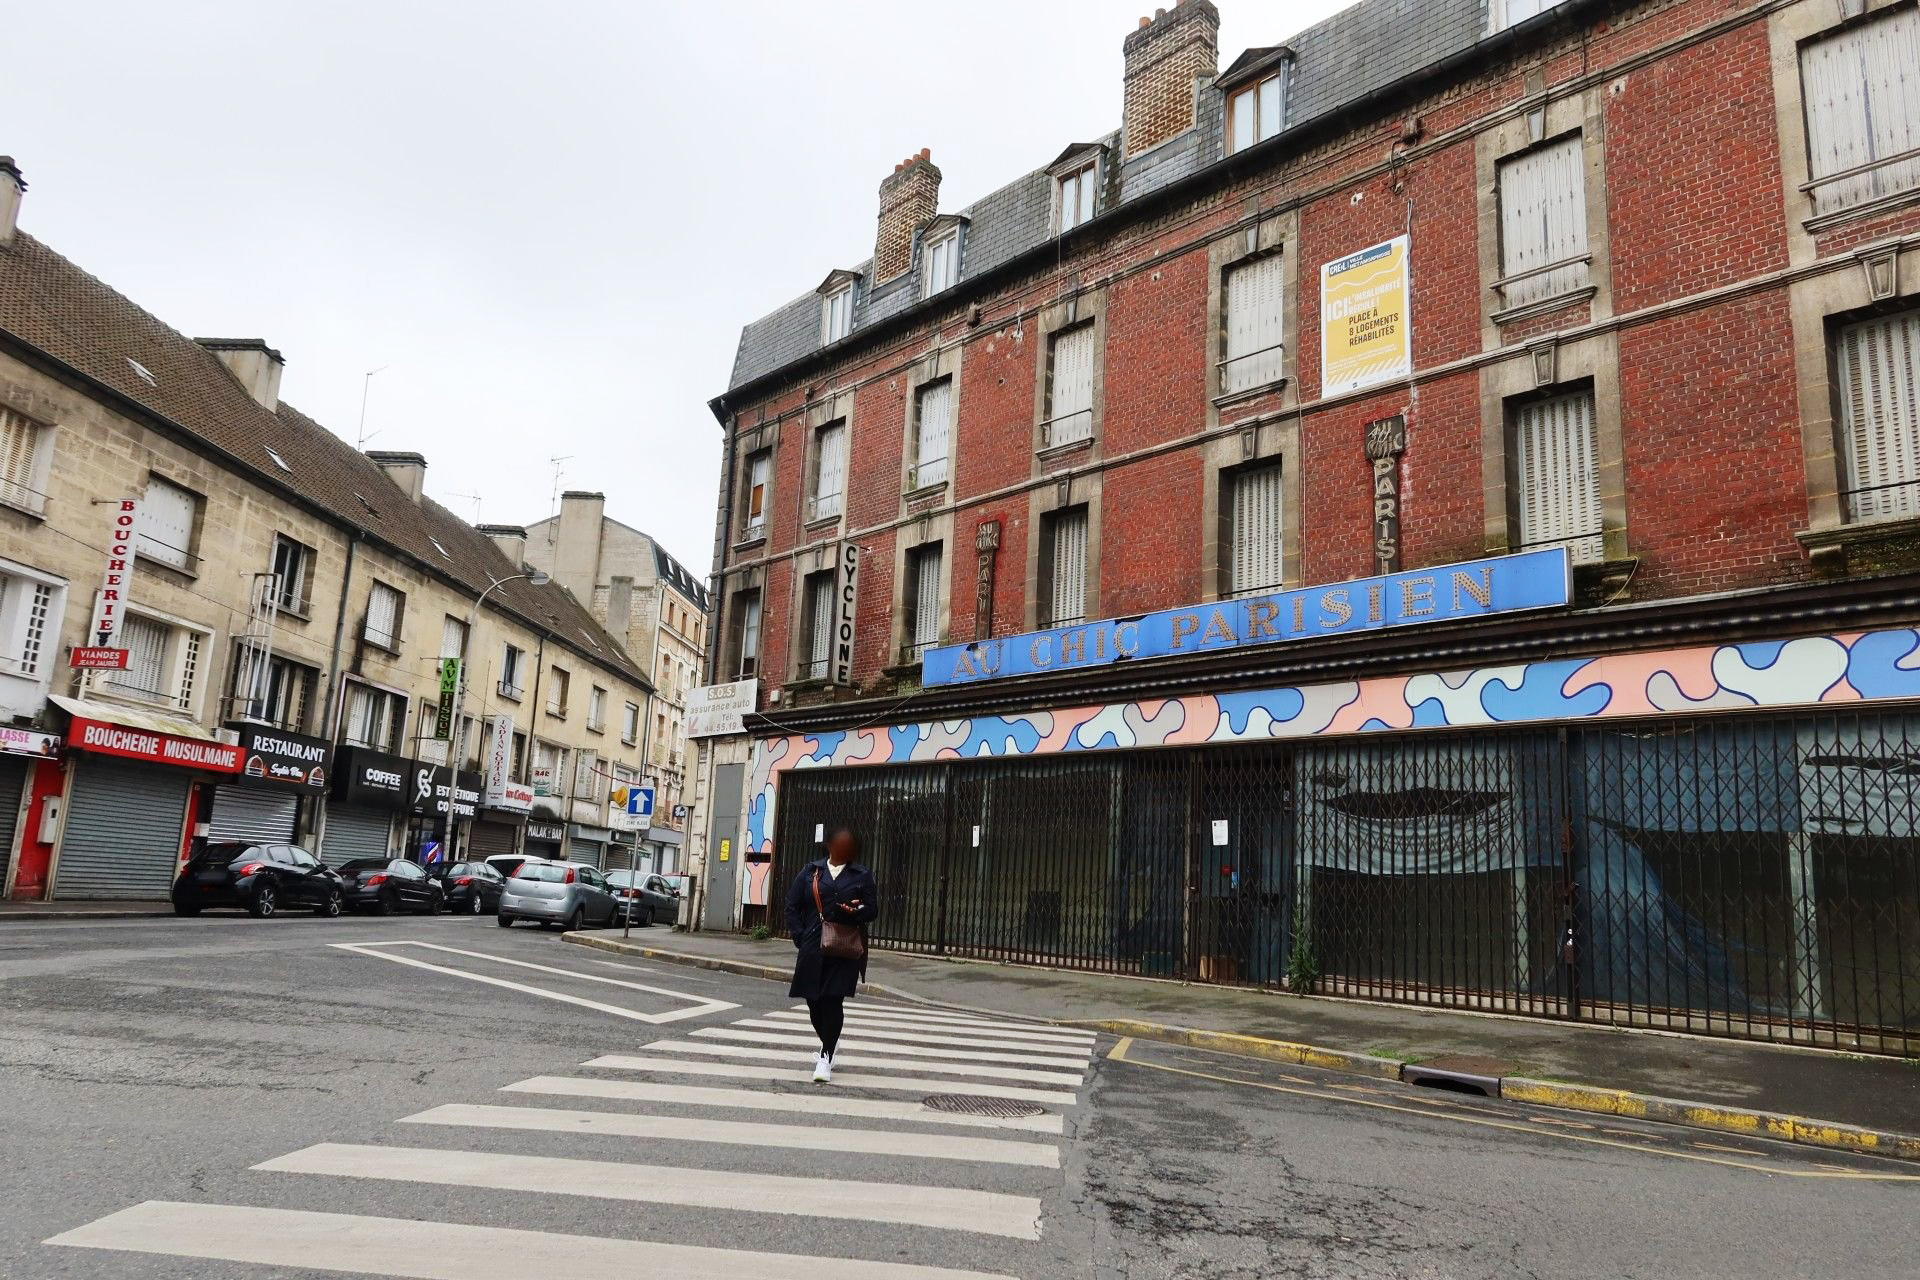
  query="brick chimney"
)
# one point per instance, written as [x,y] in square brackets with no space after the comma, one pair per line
[408,470]
[908,197]
[1165,56]
[256,365]
[12,188]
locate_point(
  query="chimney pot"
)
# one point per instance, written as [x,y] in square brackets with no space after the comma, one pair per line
[1159,14]
[908,198]
[1145,21]
[12,188]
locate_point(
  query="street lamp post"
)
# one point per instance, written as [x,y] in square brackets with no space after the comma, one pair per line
[535,577]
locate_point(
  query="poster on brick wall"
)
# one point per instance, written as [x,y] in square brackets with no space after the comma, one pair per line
[1366,333]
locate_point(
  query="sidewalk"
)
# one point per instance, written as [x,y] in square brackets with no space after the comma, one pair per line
[84,909]
[1718,1084]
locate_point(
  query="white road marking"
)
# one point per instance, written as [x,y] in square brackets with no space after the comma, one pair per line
[702,1005]
[955,1051]
[865,1008]
[795,1137]
[947,1208]
[767,1100]
[1072,1079]
[446,1250]
[841,1079]
[629,966]
[1075,1040]
[871,1031]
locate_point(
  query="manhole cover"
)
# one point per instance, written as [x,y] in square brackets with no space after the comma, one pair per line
[972,1104]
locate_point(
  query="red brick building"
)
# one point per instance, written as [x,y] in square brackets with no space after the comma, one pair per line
[1428,285]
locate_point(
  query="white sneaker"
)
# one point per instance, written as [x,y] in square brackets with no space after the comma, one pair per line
[823,1070]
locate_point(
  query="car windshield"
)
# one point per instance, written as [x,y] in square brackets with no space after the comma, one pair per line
[550,872]
[221,853]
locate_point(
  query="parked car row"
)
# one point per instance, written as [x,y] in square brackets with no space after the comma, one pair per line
[268,878]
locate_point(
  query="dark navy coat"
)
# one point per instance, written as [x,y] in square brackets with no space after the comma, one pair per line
[815,975]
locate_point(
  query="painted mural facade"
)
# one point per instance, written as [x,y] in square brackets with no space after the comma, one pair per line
[1843,669]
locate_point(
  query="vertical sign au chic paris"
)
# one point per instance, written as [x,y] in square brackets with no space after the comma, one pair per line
[1386,441]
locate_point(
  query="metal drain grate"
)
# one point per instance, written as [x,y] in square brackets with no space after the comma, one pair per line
[973,1104]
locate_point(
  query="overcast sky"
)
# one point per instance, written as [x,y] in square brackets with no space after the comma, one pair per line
[548,222]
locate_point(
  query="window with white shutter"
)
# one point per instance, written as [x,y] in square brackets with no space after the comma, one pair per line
[1862,92]
[1879,368]
[759,472]
[145,675]
[1254,322]
[819,632]
[453,637]
[20,443]
[1067,582]
[384,606]
[1070,358]
[829,471]
[923,602]
[932,429]
[1556,453]
[1543,223]
[166,524]
[1257,536]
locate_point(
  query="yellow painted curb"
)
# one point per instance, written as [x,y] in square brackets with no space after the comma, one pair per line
[1304,1055]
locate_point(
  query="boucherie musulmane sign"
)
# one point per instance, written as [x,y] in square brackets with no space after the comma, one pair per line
[1479,588]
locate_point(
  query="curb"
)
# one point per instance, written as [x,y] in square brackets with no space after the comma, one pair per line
[7,917]
[1826,1134]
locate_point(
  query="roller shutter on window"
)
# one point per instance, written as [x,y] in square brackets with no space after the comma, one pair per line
[1069,599]
[1070,402]
[1254,324]
[1543,219]
[1862,95]
[1257,531]
[1555,453]
[1879,366]
[124,829]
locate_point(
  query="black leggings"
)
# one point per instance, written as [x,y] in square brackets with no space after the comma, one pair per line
[828,1014]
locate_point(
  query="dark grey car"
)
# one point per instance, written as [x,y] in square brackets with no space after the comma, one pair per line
[653,900]
[573,894]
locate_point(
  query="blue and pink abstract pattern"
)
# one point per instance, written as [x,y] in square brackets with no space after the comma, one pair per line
[1854,667]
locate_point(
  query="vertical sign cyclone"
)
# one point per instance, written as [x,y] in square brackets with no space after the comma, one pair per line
[1366,331]
[843,620]
[101,650]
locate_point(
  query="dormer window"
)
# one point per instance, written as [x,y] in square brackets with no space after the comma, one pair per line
[942,258]
[1254,111]
[836,313]
[1511,13]
[1074,192]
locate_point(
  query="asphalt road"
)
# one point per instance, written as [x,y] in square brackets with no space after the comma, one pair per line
[152,1065]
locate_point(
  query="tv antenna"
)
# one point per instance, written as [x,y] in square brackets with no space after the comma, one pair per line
[474,498]
[366,384]
[553,505]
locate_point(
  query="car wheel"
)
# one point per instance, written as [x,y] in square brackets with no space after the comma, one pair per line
[478,906]
[331,905]
[577,921]
[265,900]
[505,922]
[186,908]
[640,917]
[436,904]
[385,904]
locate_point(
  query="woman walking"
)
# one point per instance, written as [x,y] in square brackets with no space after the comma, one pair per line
[828,909]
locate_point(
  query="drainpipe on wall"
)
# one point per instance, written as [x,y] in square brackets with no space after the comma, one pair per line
[335,687]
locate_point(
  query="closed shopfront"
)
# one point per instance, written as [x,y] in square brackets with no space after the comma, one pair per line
[261,817]
[491,836]
[127,809]
[588,844]
[544,839]
[13,784]
[369,789]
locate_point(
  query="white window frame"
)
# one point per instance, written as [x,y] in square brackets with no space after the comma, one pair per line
[1877,380]
[1566,509]
[836,314]
[926,569]
[630,724]
[552,757]
[391,705]
[559,689]
[512,659]
[941,258]
[187,648]
[1511,13]
[828,499]
[1863,141]
[31,607]
[1071,422]
[453,636]
[816,653]
[1076,196]
[385,636]
[1253,322]
[759,475]
[1067,574]
[288,689]
[932,440]
[294,587]
[1546,246]
[1256,562]
[1261,105]
[597,710]
[747,662]
[169,525]
[26,454]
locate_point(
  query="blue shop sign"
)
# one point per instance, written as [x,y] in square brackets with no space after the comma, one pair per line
[1446,593]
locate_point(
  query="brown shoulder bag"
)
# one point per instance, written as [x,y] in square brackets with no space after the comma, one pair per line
[841,941]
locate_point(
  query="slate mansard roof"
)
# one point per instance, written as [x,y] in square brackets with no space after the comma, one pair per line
[53,307]
[1335,65]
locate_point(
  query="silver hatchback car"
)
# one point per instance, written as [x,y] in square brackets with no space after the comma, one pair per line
[570,893]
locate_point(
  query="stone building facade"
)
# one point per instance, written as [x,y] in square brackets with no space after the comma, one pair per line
[274,667]
[1150,566]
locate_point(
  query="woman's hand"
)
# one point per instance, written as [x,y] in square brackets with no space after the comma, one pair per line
[851,906]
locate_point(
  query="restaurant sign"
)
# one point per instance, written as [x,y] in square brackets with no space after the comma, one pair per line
[1446,593]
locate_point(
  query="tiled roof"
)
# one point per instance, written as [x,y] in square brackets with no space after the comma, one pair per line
[53,306]
[1335,64]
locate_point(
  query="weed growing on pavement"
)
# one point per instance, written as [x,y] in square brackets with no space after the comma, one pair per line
[759,933]
[1303,966]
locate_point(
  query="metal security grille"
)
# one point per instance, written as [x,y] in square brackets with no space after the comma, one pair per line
[1863,111]
[265,816]
[1755,877]
[354,832]
[124,827]
[1543,223]
[1554,454]
[1879,367]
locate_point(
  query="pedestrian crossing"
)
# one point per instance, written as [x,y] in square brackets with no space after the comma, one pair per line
[721,1133]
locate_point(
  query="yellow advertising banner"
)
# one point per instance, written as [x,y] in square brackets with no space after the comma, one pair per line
[1366,334]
